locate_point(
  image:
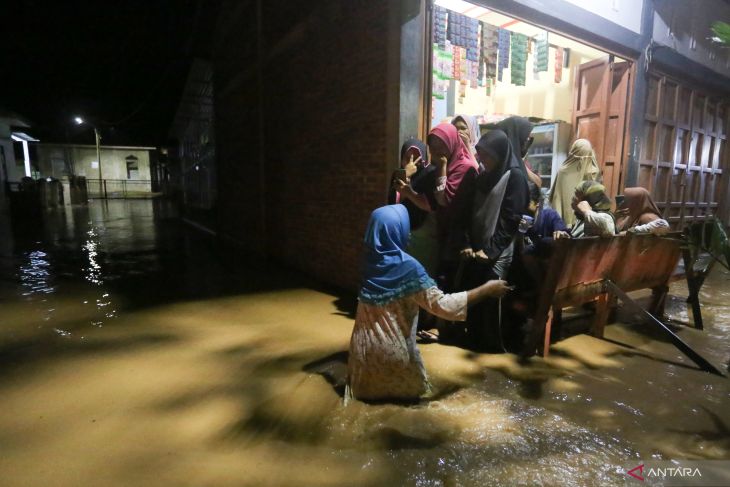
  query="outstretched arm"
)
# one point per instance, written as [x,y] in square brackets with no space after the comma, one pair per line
[496,288]
[453,306]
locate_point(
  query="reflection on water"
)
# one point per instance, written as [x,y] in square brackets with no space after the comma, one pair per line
[134,352]
[93,271]
[34,274]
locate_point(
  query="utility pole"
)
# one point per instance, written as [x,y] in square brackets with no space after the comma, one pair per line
[98,151]
[97,138]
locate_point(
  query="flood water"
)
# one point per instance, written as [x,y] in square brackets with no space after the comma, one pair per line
[134,351]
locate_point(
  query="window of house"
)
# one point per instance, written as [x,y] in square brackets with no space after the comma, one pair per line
[132,167]
[58,167]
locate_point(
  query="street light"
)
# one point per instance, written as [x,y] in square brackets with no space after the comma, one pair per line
[81,121]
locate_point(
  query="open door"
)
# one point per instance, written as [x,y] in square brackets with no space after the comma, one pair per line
[600,114]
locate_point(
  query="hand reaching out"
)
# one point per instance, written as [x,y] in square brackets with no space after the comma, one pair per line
[481,256]
[497,288]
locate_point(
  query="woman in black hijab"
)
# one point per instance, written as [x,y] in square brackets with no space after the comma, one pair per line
[518,130]
[501,197]
[421,201]
[417,195]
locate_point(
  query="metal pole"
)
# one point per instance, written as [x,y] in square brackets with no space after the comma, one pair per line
[98,152]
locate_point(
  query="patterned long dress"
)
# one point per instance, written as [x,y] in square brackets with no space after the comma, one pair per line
[384,361]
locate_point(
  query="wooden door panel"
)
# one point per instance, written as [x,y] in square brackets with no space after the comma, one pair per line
[590,93]
[591,84]
[685,134]
[610,174]
[614,146]
[589,127]
[646,176]
[610,139]
[599,114]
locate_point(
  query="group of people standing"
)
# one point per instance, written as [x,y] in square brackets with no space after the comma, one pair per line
[465,212]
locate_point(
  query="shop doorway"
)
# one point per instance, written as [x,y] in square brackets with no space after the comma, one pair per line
[600,109]
[492,66]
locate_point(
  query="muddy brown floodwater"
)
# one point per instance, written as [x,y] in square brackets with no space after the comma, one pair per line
[134,352]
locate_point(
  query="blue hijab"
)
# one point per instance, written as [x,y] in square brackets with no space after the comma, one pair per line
[389,273]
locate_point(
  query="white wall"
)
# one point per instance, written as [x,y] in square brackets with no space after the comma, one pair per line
[113,161]
[626,13]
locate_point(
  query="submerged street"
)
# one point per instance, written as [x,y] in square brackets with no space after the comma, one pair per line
[135,351]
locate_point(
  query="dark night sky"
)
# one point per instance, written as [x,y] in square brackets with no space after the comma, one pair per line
[122,63]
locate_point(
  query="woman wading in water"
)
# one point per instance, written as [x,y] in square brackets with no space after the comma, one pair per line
[384,362]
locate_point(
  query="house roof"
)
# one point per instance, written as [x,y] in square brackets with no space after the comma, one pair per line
[24,136]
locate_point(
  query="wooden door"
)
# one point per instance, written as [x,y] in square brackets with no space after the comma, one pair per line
[684,156]
[615,149]
[600,105]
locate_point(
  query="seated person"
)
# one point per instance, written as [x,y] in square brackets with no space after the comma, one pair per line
[384,362]
[546,221]
[592,208]
[639,214]
[528,271]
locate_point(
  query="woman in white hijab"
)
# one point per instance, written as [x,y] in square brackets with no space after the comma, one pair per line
[468,129]
[581,165]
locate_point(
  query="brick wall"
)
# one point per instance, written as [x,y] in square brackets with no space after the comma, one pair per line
[325,130]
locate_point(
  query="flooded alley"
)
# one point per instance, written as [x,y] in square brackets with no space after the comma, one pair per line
[134,351]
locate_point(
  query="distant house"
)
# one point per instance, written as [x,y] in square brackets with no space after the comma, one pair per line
[120,165]
[15,152]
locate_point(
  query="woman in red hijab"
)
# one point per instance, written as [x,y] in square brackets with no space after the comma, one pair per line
[453,161]
[456,171]
[639,214]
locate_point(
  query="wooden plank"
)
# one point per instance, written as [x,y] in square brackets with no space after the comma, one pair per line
[547,333]
[694,289]
[579,268]
[601,317]
[545,300]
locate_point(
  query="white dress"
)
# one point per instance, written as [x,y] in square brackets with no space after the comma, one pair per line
[384,362]
[594,224]
[655,227]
